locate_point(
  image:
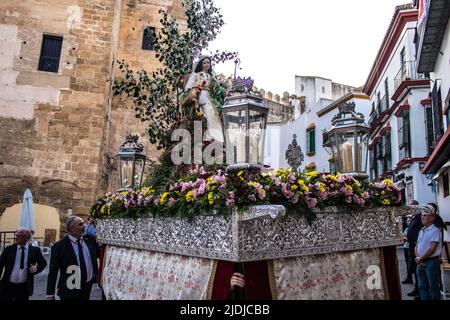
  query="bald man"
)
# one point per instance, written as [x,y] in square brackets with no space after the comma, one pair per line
[21,263]
[74,258]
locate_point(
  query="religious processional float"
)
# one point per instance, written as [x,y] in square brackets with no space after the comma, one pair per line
[294,235]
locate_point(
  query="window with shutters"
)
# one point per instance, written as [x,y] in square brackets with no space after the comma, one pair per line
[429,129]
[386,90]
[386,157]
[404,144]
[50,53]
[311,142]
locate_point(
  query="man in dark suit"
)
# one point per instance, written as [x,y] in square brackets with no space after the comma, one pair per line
[21,263]
[413,233]
[75,259]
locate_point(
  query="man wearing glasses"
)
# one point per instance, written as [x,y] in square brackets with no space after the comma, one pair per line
[428,253]
[75,259]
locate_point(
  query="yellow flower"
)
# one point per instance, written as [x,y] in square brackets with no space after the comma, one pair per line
[357,184]
[103,209]
[252,183]
[303,185]
[322,187]
[190,196]
[383,193]
[163,198]
[386,202]
[332,177]
[281,173]
[211,198]
[388,182]
[209,180]
[148,191]
[240,173]
[294,187]
[312,174]
[348,187]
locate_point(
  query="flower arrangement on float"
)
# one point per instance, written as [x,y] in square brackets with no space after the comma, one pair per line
[205,192]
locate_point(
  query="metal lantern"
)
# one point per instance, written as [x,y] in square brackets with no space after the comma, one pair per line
[348,141]
[244,116]
[131,163]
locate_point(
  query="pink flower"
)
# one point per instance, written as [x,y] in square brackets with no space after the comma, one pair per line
[341,179]
[358,200]
[291,178]
[171,202]
[219,179]
[230,202]
[202,186]
[261,193]
[276,181]
[252,197]
[347,192]
[294,199]
[380,185]
[311,202]
[323,195]
[348,199]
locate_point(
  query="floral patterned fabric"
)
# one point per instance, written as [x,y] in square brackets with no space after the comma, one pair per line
[324,277]
[130,274]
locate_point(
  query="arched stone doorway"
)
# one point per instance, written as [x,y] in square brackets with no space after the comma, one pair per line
[46,218]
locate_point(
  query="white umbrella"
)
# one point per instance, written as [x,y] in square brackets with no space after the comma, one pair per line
[27,213]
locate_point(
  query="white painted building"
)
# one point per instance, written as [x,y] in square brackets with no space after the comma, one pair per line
[400,140]
[318,101]
[433,56]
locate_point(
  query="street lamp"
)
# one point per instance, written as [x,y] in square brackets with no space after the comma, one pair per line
[348,141]
[244,117]
[131,163]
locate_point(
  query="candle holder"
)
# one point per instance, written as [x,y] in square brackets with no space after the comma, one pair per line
[244,116]
[347,139]
[131,163]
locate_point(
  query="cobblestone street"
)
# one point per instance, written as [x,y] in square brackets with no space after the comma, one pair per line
[41,281]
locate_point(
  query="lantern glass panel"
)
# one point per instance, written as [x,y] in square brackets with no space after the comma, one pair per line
[256,136]
[126,165]
[346,142]
[334,149]
[361,151]
[236,129]
[138,172]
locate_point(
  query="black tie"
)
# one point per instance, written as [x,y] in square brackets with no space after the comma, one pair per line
[82,262]
[22,258]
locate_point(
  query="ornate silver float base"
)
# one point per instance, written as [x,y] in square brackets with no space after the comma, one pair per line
[261,233]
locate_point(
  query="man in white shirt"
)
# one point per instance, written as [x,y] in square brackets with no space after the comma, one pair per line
[21,262]
[75,259]
[428,253]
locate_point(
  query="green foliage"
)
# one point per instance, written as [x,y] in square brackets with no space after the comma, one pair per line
[155,96]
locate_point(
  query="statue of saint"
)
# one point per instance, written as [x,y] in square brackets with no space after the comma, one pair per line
[205,94]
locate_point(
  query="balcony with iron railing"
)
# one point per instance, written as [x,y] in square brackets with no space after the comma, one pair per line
[407,76]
